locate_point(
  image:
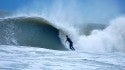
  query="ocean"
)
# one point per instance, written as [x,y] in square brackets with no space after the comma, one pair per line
[36,40]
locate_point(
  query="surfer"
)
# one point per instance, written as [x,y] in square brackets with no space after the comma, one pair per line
[70,42]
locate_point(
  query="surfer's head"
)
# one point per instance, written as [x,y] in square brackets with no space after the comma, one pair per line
[66,35]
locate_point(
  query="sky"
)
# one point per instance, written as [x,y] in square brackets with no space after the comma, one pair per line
[14,4]
[11,4]
[90,9]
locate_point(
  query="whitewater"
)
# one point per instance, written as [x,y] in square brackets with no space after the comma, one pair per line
[34,39]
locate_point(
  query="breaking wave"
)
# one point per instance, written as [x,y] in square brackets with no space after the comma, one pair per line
[29,31]
[38,32]
[110,39]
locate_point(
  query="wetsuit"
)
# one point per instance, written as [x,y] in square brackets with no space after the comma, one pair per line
[70,43]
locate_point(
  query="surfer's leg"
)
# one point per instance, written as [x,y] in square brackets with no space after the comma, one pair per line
[71,47]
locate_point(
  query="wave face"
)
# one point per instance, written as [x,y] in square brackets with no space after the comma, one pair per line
[29,31]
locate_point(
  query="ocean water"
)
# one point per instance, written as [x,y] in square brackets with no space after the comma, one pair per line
[30,58]
[33,38]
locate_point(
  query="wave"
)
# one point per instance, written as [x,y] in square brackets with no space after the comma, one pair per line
[4,13]
[38,32]
[86,29]
[29,31]
[110,39]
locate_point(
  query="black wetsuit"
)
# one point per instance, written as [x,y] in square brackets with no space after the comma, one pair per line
[70,43]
